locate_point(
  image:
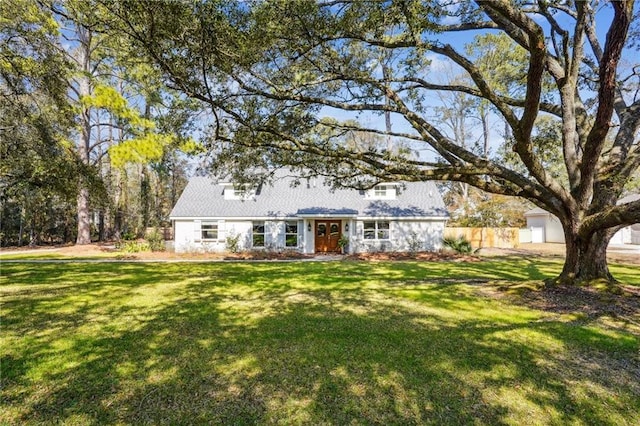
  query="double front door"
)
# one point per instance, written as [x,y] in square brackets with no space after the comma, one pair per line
[327,235]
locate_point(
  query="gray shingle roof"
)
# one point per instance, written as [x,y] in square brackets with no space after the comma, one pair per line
[203,197]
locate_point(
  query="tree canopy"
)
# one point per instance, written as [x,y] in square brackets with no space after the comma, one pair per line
[270,71]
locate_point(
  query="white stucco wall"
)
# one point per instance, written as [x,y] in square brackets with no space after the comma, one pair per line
[537,221]
[235,227]
[186,232]
[553,230]
[308,232]
[634,235]
[428,235]
[186,237]
[183,235]
[623,236]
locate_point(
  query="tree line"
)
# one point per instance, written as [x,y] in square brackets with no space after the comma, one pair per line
[92,142]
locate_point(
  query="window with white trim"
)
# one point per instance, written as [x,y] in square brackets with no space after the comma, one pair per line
[291,233]
[239,192]
[258,234]
[380,190]
[377,230]
[209,231]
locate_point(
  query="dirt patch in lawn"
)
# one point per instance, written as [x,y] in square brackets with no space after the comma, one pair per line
[621,309]
[585,300]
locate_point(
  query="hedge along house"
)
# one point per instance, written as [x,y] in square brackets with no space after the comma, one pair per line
[309,218]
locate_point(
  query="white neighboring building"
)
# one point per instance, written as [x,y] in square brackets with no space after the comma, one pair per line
[630,234]
[546,228]
[310,217]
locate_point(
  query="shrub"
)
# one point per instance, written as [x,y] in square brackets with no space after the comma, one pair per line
[232,243]
[155,240]
[133,246]
[414,243]
[459,245]
[128,236]
[343,242]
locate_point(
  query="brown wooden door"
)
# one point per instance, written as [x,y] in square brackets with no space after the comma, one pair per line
[327,235]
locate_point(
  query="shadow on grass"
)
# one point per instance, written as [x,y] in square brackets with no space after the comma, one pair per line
[321,343]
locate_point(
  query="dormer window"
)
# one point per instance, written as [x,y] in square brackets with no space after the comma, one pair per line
[382,192]
[235,192]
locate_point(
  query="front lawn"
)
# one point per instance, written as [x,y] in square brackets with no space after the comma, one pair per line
[312,343]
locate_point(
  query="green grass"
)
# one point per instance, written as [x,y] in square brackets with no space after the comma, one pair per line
[306,343]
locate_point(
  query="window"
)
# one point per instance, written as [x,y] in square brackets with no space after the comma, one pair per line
[322,229]
[380,191]
[258,234]
[376,230]
[238,192]
[291,234]
[334,230]
[209,231]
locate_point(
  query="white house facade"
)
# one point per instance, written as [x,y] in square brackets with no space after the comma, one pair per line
[309,217]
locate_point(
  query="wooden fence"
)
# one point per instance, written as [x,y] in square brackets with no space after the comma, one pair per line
[486,237]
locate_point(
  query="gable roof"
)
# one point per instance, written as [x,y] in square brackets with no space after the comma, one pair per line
[203,197]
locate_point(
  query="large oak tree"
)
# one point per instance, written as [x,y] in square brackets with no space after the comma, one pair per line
[269,71]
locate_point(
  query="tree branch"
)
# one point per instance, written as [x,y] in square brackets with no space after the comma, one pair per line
[620,215]
[614,44]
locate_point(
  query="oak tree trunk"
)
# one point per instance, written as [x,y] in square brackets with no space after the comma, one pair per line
[586,259]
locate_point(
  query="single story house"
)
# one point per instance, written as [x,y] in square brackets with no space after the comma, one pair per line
[309,217]
[546,228]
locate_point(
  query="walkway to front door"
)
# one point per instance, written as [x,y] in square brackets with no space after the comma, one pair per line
[327,235]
